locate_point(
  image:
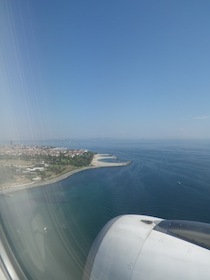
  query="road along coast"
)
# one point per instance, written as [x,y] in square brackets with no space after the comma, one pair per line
[97,162]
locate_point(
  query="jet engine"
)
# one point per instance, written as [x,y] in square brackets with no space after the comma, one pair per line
[134,247]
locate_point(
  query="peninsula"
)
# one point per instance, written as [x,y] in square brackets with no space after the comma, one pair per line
[31,166]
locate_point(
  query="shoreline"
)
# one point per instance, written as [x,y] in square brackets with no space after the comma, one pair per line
[97,162]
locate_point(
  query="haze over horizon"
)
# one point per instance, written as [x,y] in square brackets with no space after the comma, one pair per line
[105,69]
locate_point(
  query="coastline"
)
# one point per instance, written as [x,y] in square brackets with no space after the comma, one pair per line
[97,162]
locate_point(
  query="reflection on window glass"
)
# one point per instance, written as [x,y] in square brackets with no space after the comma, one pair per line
[104,113]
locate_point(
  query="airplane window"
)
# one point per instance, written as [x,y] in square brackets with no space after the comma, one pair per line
[104,139]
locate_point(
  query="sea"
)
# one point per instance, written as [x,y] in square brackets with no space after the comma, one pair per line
[51,228]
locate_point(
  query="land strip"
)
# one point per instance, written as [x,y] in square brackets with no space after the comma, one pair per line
[97,162]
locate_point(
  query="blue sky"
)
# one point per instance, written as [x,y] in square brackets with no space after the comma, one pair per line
[122,69]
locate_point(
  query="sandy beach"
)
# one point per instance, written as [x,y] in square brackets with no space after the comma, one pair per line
[97,162]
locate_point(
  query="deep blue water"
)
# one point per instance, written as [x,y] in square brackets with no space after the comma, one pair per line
[52,228]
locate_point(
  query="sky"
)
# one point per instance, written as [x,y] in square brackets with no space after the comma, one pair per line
[107,69]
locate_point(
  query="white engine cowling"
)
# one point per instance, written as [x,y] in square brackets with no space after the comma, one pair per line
[134,247]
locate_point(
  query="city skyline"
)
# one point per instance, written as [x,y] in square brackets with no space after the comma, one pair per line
[112,69]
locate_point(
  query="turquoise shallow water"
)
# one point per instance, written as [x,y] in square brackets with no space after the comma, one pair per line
[51,228]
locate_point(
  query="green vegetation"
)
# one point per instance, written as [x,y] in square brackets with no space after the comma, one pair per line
[62,160]
[11,171]
[6,172]
[10,175]
[62,164]
[76,160]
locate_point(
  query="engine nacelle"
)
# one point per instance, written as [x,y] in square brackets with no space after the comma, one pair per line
[134,247]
